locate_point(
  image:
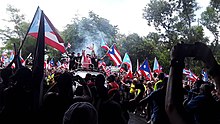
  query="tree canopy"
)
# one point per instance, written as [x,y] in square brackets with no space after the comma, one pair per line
[175,21]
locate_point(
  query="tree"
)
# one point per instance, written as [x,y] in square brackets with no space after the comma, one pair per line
[16,34]
[9,35]
[89,30]
[174,21]
[210,18]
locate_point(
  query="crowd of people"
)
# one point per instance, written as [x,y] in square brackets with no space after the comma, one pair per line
[101,99]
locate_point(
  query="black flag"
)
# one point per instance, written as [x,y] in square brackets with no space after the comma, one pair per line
[38,62]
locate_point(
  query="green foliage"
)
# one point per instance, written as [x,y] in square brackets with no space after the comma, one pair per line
[210,18]
[89,30]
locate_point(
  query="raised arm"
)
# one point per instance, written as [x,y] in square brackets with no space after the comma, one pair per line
[174,94]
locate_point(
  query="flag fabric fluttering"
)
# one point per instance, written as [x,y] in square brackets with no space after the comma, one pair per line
[108,70]
[51,64]
[68,45]
[104,44]
[114,55]
[204,75]
[192,77]
[58,64]
[145,70]
[127,61]
[23,62]
[52,38]
[102,64]
[157,68]
[186,71]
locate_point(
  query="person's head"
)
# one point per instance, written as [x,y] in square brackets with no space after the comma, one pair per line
[64,83]
[149,84]
[88,77]
[161,76]
[23,77]
[100,80]
[5,74]
[197,84]
[135,81]
[81,113]
[73,53]
[87,55]
[111,78]
[205,89]
[78,54]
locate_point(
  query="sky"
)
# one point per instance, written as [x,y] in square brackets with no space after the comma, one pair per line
[127,14]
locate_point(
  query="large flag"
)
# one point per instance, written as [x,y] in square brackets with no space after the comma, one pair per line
[52,38]
[157,68]
[127,61]
[114,55]
[145,70]
[104,45]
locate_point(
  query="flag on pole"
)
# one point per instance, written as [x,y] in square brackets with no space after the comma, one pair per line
[127,61]
[52,38]
[192,77]
[145,70]
[104,45]
[58,64]
[101,63]
[114,55]
[157,68]
[68,45]
[186,71]
[204,75]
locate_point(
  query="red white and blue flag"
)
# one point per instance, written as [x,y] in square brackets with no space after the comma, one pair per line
[23,62]
[192,77]
[127,61]
[102,64]
[58,64]
[114,55]
[145,70]
[186,71]
[204,75]
[157,68]
[104,45]
[52,38]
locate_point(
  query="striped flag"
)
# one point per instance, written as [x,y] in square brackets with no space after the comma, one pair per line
[114,55]
[52,38]
[145,70]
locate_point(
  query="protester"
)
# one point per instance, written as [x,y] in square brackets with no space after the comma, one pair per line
[81,113]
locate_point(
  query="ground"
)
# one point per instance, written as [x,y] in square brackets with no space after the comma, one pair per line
[136,119]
